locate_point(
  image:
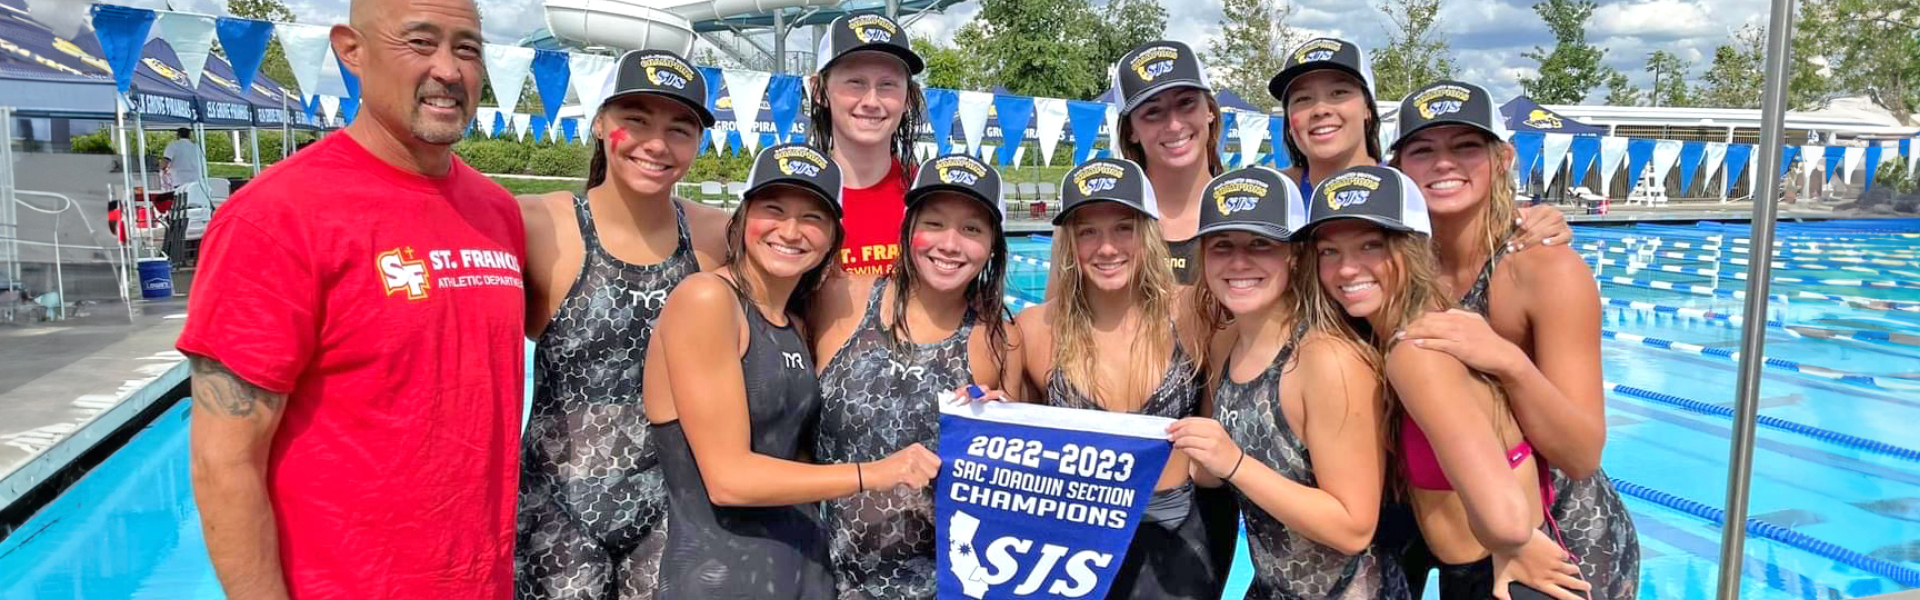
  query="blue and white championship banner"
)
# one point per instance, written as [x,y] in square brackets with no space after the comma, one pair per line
[1037,502]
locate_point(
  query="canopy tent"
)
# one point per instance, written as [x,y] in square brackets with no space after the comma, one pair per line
[42,75]
[1523,114]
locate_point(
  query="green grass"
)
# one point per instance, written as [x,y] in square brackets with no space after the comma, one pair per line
[522,187]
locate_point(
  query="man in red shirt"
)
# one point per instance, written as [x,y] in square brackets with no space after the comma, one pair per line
[355,332]
[866,110]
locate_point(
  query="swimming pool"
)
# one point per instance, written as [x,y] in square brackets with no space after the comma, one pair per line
[1836,480]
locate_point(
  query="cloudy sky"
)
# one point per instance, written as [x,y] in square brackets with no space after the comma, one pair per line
[1488,36]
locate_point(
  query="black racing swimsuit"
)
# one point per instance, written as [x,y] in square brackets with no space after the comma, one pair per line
[1286,564]
[592,504]
[1171,555]
[749,553]
[1180,257]
[877,398]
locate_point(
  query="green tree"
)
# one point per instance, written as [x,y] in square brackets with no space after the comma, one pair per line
[1733,80]
[947,66]
[274,64]
[1867,47]
[1055,48]
[1252,46]
[1621,92]
[1415,55]
[1573,67]
[1126,25]
[1669,80]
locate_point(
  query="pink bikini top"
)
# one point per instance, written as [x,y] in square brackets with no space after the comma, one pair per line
[1423,467]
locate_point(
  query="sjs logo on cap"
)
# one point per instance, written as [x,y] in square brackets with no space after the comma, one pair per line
[1095,178]
[1238,195]
[667,71]
[872,29]
[1320,49]
[800,161]
[1154,62]
[1349,190]
[959,170]
[1441,100]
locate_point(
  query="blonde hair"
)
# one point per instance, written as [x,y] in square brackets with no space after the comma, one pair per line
[1152,287]
[1497,207]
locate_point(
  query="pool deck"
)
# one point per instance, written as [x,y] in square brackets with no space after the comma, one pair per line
[65,385]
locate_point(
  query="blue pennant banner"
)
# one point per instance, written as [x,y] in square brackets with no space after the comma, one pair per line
[942,105]
[1586,148]
[122,32]
[1737,157]
[783,102]
[1690,155]
[1527,146]
[1639,153]
[1015,112]
[1038,502]
[1277,131]
[1786,159]
[550,76]
[1872,163]
[245,42]
[1085,120]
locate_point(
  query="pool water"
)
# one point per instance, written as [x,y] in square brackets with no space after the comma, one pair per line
[1836,481]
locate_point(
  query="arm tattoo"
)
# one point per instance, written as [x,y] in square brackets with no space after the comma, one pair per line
[218,388]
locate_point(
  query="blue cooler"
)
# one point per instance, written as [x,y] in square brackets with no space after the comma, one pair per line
[156,278]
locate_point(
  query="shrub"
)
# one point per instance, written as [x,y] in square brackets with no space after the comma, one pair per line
[558,160]
[98,142]
[494,156]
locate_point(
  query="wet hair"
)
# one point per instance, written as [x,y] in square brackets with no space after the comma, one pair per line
[1210,316]
[1132,150]
[802,297]
[597,164]
[1373,126]
[986,294]
[1497,206]
[820,120]
[1153,289]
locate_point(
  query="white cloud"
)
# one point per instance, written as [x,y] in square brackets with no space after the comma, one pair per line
[1660,19]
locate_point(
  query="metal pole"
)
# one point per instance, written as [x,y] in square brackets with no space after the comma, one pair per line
[253,141]
[142,201]
[779,42]
[1753,335]
[893,9]
[9,214]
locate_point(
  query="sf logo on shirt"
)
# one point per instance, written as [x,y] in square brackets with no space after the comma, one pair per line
[399,271]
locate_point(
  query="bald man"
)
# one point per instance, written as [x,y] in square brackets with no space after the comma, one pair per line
[355,332]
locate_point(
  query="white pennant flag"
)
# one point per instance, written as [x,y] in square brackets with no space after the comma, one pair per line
[483,120]
[1913,156]
[1554,149]
[1853,157]
[591,75]
[1253,130]
[191,37]
[63,17]
[1710,163]
[507,73]
[1113,131]
[1613,150]
[331,82]
[305,47]
[747,89]
[1665,154]
[974,107]
[330,106]
[1050,121]
[522,124]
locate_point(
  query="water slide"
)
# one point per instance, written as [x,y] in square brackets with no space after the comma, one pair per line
[657,24]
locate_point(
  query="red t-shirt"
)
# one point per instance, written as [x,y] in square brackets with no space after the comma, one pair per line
[872,220]
[389,307]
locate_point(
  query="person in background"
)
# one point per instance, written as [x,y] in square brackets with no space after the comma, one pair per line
[181,161]
[115,225]
[600,266]
[865,111]
[356,340]
[1170,125]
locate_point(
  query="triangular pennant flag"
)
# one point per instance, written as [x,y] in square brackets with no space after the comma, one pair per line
[1585,149]
[550,76]
[1913,158]
[1690,154]
[350,103]
[1113,131]
[1716,154]
[122,33]
[538,125]
[306,48]
[191,37]
[1050,121]
[245,42]
[1084,118]
[1639,155]
[483,120]
[1253,130]
[522,124]
[783,100]
[1666,153]
[1807,155]
[973,118]
[570,126]
[62,17]
[1613,152]
[1851,157]
[1811,158]
[1834,156]
[1553,153]
[1526,151]
[942,105]
[747,89]
[591,73]
[1015,112]
[332,82]
[1229,122]
[1276,133]
[1737,157]
[1871,160]
[507,68]
[330,104]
